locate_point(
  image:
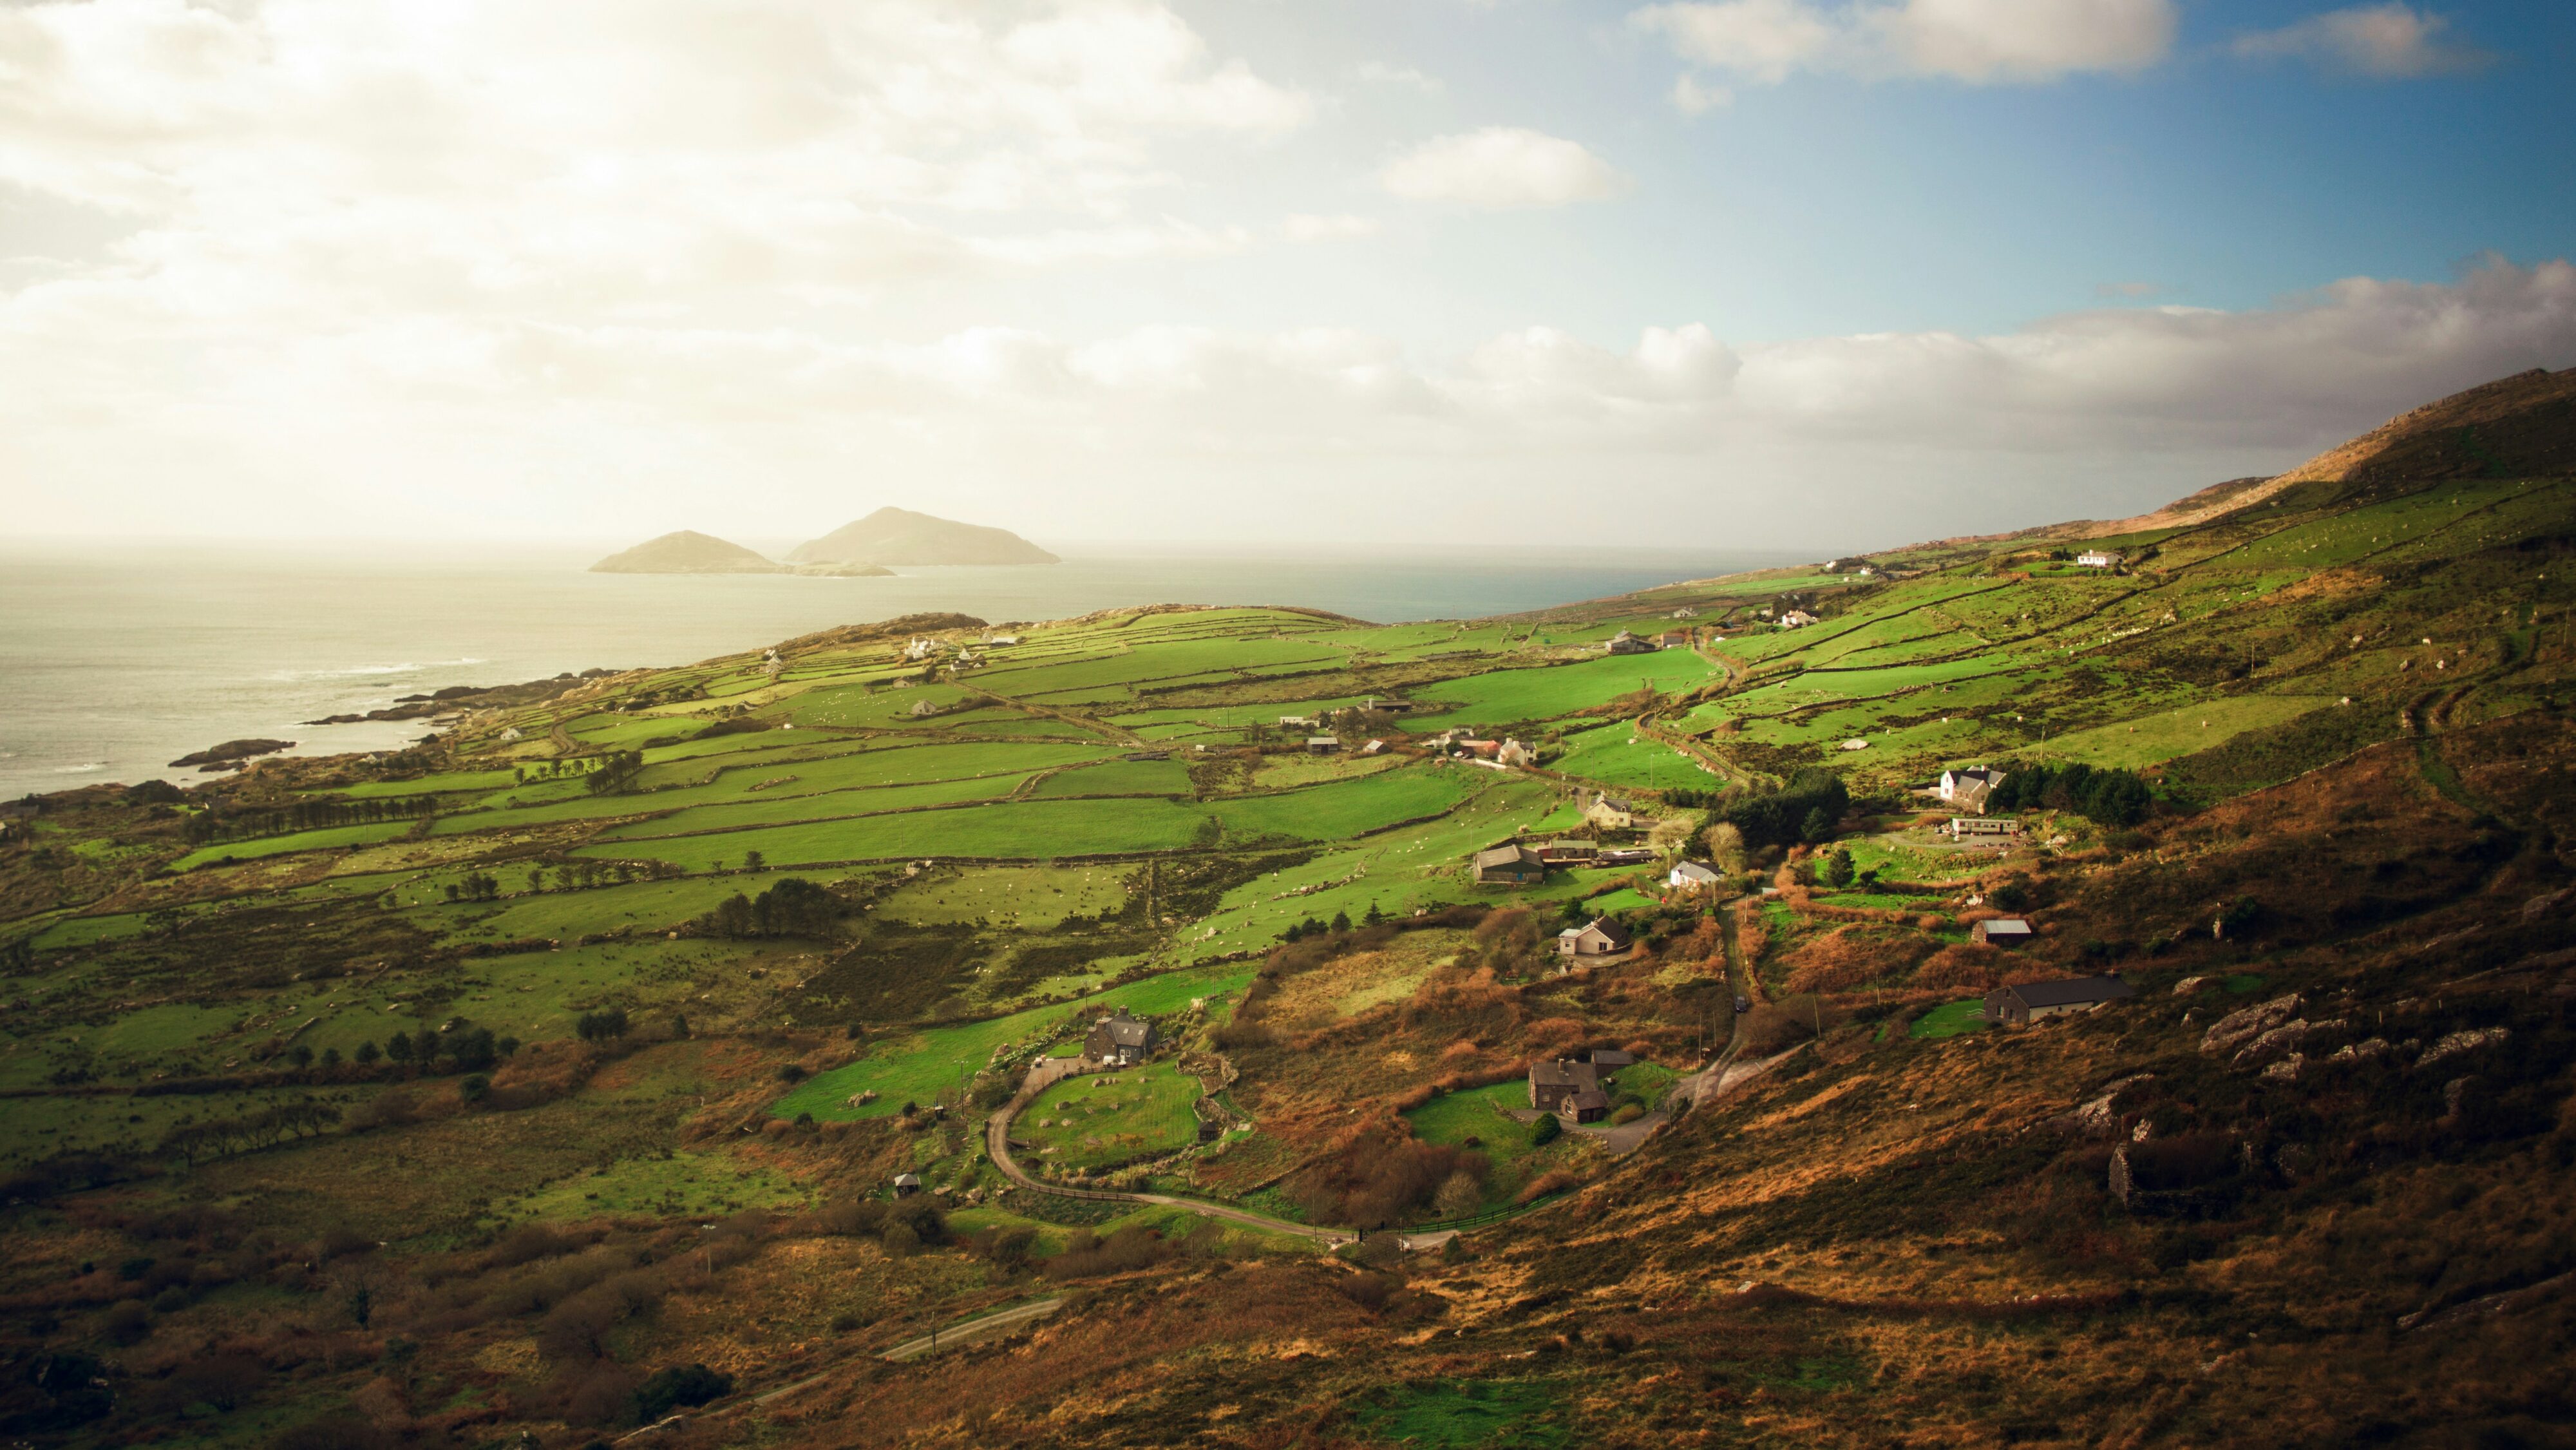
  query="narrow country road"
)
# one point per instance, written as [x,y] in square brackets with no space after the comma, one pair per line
[973,1329]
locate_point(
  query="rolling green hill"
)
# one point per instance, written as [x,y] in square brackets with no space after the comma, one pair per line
[448,1095]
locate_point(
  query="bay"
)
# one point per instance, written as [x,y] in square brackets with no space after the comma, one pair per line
[115,661]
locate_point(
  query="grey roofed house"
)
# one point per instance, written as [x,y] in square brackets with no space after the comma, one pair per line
[906,1184]
[1609,1060]
[1550,1082]
[1691,875]
[2003,931]
[1600,937]
[2027,1002]
[1509,866]
[1625,643]
[1322,744]
[1121,1040]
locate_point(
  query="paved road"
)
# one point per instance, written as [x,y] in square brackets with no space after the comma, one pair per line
[972,1329]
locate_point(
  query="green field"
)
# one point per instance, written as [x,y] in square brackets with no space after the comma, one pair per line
[1081,1123]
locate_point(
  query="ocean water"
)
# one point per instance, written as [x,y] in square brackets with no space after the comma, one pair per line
[114,662]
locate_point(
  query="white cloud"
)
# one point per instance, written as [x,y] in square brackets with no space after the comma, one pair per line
[1501,167]
[1982,42]
[1695,97]
[2392,41]
[1307,228]
[1380,73]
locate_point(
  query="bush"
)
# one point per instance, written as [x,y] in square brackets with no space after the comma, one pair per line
[1545,1130]
[1628,1113]
[685,1387]
[1545,1184]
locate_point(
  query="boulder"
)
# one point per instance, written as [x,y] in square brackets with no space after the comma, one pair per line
[2459,1042]
[2238,1028]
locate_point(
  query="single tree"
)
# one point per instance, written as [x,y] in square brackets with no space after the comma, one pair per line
[367,1052]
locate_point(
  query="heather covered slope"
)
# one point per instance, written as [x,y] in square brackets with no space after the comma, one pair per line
[686,965]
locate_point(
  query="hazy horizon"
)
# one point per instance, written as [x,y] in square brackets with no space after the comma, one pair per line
[1798,274]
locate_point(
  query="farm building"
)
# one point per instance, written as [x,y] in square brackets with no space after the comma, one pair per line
[1624,856]
[1512,752]
[2099,559]
[1796,619]
[1584,1105]
[1510,866]
[1692,876]
[1625,643]
[1610,813]
[2027,1002]
[1982,828]
[1685,612]
[1600,937]
[1322,744]
[906,1184]
[1606,1061]
[1970,788]
[1556,851]
[1120,1041]
[1677,639]
[1374,747]
[2003,931]
[1551,1083]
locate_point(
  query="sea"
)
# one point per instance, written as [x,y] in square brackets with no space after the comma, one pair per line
[115,661]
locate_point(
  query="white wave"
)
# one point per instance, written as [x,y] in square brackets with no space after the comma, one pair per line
[94,765]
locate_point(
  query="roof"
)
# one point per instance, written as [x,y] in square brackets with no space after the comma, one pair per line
[907,1180]
[2006,926]
[1609,1057]
[1126,1031]
[1617,934]
[1506,856]
[1564,1072]
[1582,1099]
[1693,871]
[1323,740]
[2068,993]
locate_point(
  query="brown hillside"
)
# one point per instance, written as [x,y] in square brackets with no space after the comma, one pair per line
[2523,426]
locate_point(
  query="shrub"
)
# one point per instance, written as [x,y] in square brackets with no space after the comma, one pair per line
[1545,1184]
[1628,1113]
[1545,1130]
[685,1387]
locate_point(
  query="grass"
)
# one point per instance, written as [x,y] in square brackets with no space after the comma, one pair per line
[1466,1414]
[1949,1020]
[666,1185]
[1507,696]
[919,1066]
[1075,1124]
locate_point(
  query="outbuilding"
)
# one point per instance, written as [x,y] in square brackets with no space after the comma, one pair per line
[1510,866]
[2002,931]
[2023,1003]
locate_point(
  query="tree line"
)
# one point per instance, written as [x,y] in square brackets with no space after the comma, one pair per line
[217,823]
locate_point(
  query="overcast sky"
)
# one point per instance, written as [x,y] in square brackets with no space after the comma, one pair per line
[1795,273]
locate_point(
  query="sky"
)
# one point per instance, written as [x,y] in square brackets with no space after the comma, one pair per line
[1828,274]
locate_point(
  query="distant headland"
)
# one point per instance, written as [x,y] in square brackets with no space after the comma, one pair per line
[855,550]
[690,552]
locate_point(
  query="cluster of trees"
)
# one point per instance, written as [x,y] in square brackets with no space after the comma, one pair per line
[460,1046]
[2104,794]
[616,774]
[252,1131]
[792,907]
[477,886]
[1806,809]
[218,824]
[601,1026]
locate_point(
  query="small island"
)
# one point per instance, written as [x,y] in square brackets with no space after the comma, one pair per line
[690,552]
[900,536]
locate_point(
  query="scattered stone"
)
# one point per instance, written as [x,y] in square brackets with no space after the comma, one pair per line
[2189,985]
[2459,1042]
[2238,1028]
[2287,1069]
[2360,1051]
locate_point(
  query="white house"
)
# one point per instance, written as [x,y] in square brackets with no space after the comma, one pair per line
[1692,876]
[1795,619]
[1969,788]
[2098,559]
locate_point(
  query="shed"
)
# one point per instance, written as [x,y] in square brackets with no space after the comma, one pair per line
[1510,866]
[1585,1105]
[1567,851]
[2003,931]
[1625,643]
[2026,1002]
[906,1184]
[1962,828]
[1322,744]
